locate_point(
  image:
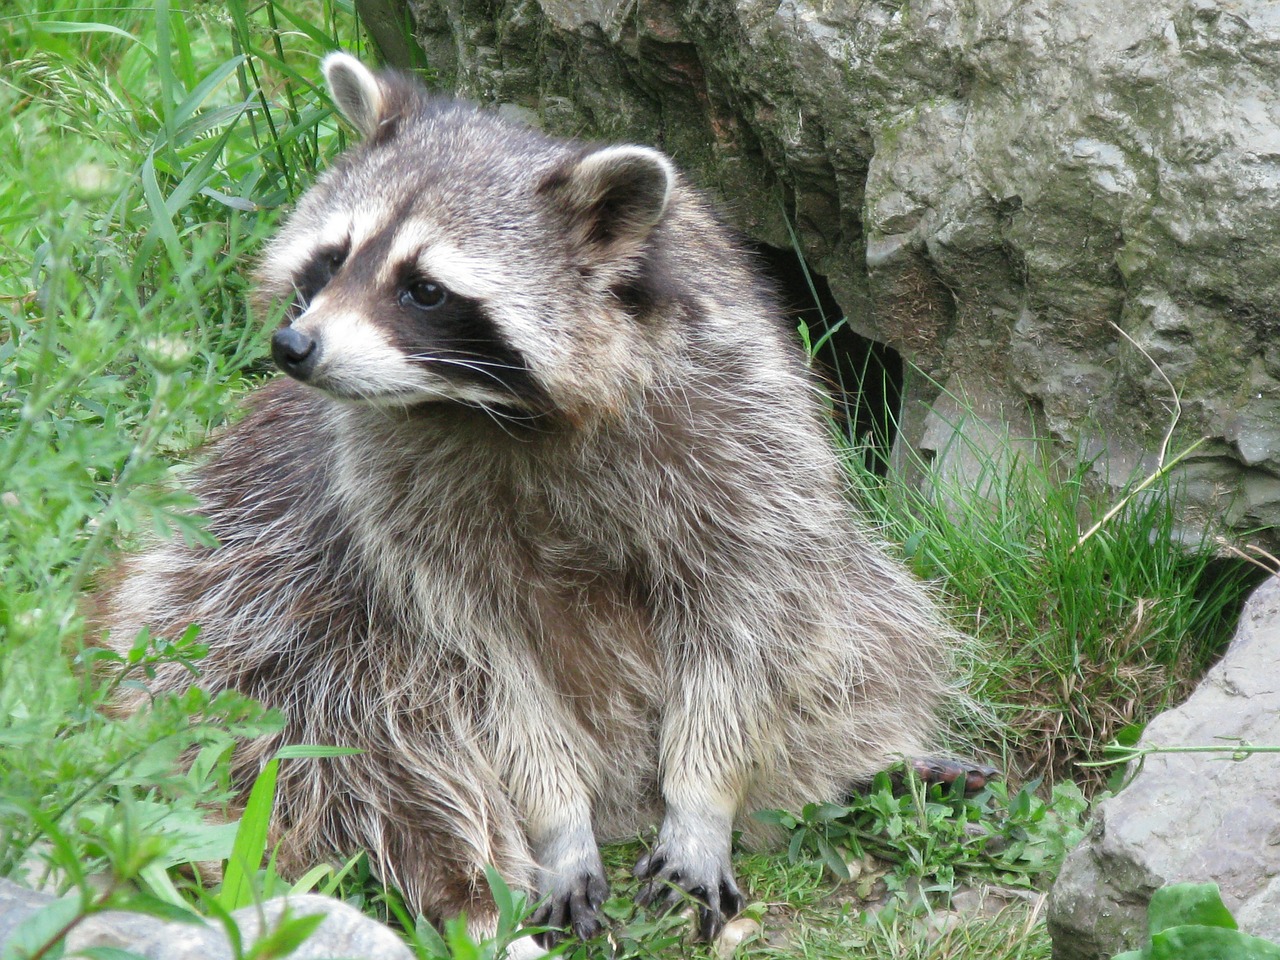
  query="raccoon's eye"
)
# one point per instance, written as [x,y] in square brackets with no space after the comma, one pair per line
[319,271]
[423,295]
[326,266]
[333,261]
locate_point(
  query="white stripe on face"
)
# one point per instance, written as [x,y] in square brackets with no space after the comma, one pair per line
[465,274]
[292,258]
[475,277]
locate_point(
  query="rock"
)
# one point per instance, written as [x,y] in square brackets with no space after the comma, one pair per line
[344,933]
[995,189]
[733,936]
[990,900]
[17,903]
[147,936]
[1189,817]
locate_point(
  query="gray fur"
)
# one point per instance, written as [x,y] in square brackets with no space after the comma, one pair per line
[617,587]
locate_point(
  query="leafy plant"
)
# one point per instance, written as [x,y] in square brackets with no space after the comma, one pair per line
[118,855]
[456,943]
[1188,921]
[938,837]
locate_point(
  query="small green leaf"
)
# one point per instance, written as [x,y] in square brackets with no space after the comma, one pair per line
[831,857]
[1129,735]
[1180,904]
[795,846]
[429,938]
[912,545]
[502,896]
[825,812]
[1210,943]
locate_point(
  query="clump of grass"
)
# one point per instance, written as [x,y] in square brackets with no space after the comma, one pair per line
[1091,611]
[936,847]
[146,152]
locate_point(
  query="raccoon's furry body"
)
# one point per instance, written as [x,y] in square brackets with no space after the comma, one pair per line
[553,531]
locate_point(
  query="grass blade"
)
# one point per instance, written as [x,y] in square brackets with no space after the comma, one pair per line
[196,98]
[251,841]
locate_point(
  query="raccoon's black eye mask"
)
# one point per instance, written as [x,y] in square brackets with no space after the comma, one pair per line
[316,275]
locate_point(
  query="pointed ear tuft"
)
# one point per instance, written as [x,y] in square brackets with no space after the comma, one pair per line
[356,92]
[616,195]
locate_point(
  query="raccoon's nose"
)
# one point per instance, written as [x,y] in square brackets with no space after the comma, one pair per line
[294,352]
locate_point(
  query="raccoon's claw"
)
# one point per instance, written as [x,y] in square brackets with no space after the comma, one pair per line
[669,888]
[946,770]
[572,906]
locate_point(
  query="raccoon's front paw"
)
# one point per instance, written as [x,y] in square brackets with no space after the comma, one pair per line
[571,903]
[674,877]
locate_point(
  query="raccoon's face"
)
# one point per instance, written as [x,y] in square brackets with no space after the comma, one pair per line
[455,258]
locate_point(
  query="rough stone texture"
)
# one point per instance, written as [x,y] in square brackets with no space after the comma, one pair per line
[345,933]
[991,187]
[1189,817]
[16,904]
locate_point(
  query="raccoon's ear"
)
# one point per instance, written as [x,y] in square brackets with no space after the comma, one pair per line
[356,92]
[614,195]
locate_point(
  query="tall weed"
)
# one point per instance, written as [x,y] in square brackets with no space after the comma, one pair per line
[146,154]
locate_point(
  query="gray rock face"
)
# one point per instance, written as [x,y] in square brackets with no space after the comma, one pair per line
[17,903]
[992,188]
[344,934]
[1189,817]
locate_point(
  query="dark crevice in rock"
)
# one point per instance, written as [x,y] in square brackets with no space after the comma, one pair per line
[864,377]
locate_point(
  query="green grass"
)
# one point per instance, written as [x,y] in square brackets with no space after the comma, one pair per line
[1090,613]
[147,153]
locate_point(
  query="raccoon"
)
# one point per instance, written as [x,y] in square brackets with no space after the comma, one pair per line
[545,519]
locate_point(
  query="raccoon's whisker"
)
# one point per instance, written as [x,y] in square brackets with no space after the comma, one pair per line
[511,415]
[301,299]
[476,365]
[473,364]
[498,415]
